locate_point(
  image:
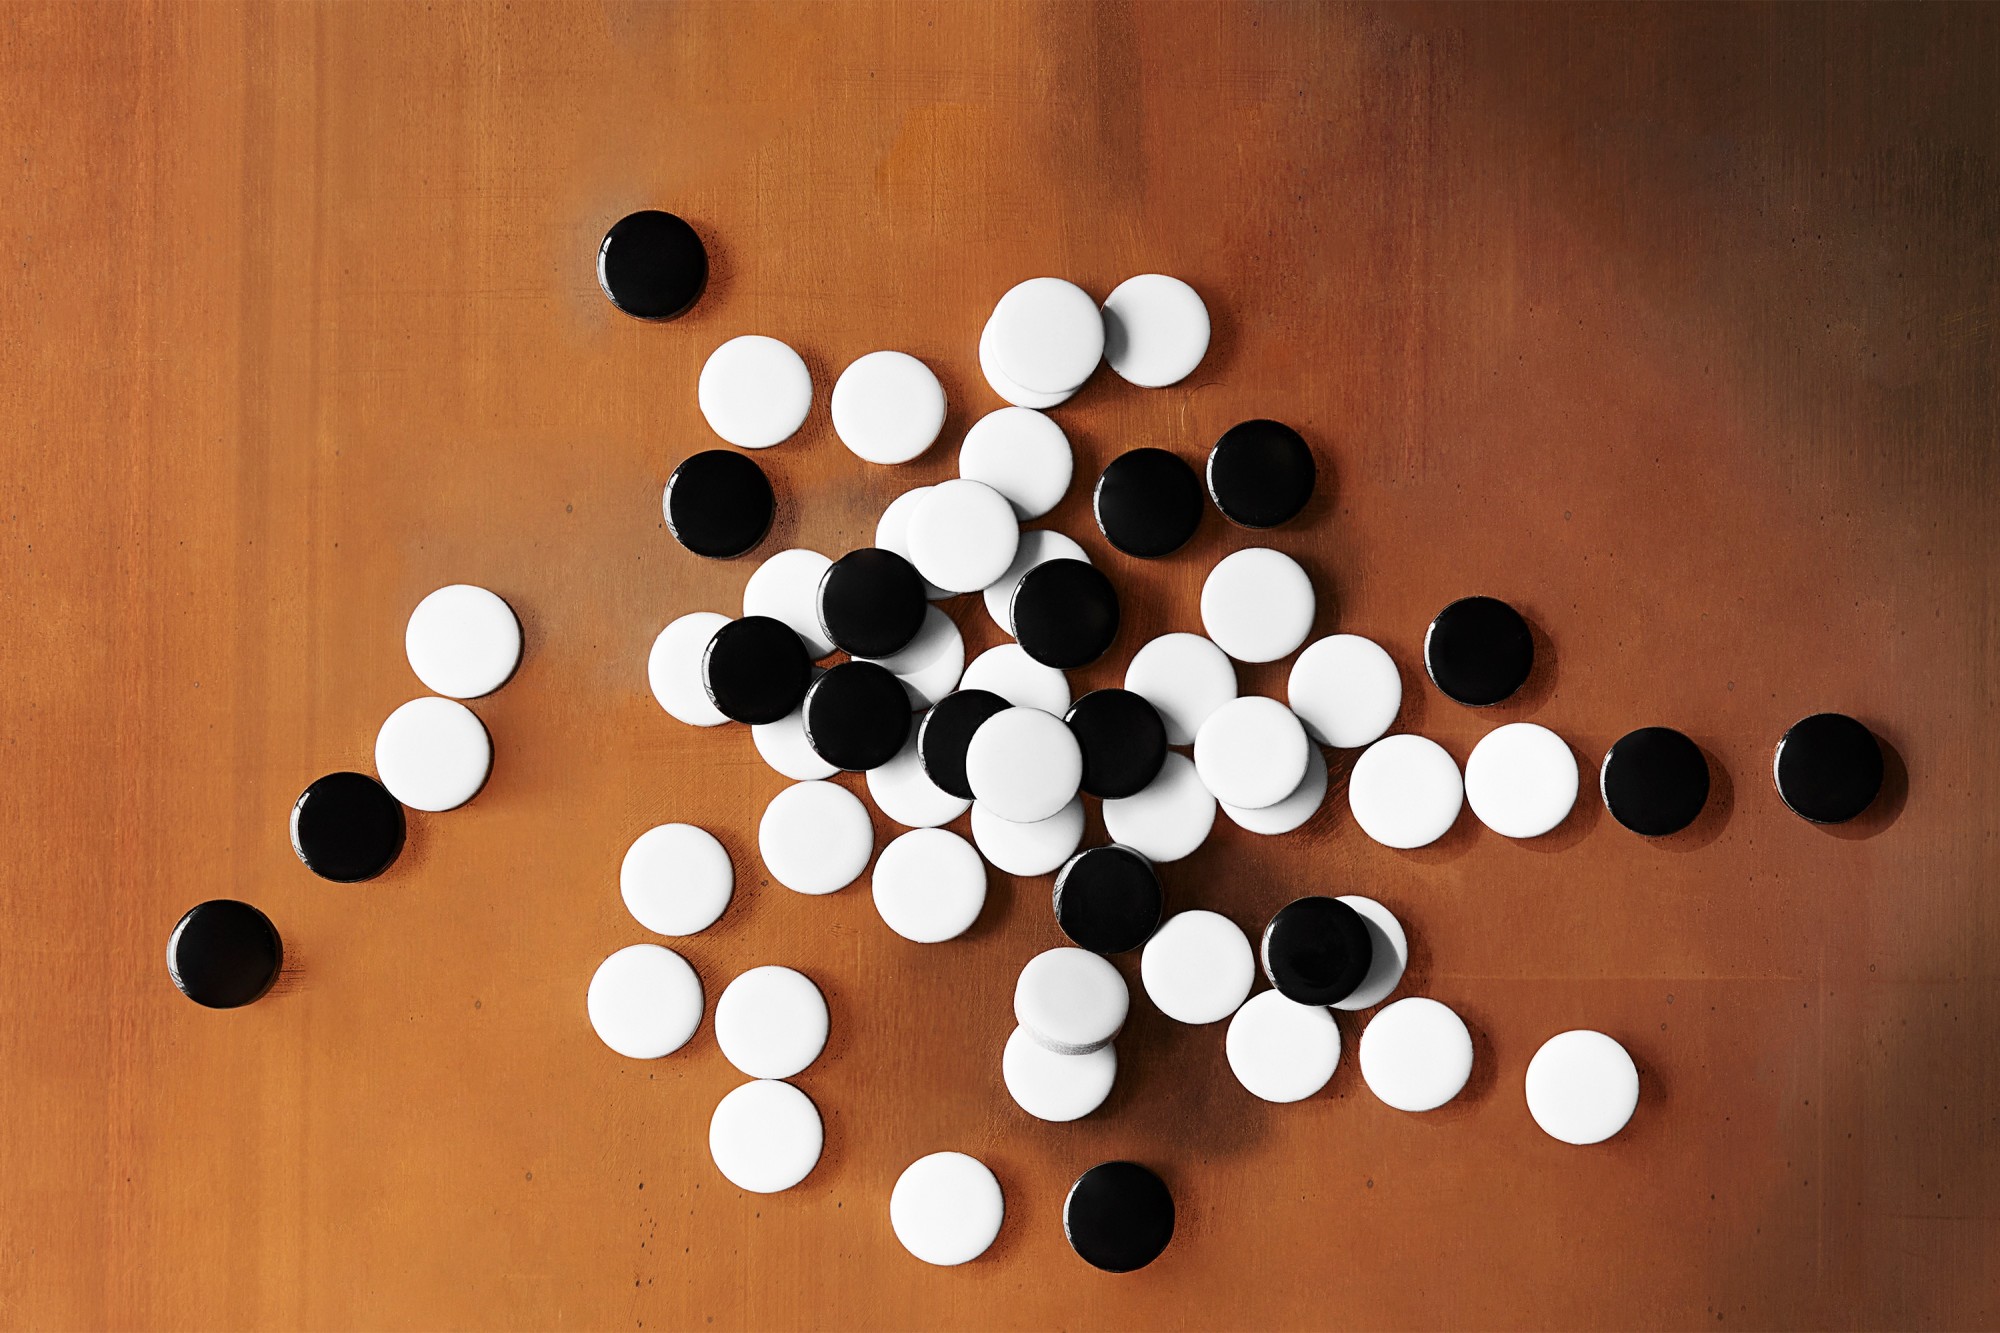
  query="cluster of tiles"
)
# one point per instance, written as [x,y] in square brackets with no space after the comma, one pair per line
[432,754]
[936,736]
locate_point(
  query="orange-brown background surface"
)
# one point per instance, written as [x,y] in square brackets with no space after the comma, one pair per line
[1676,327]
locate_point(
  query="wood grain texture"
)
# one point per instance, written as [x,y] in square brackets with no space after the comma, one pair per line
[1674,326]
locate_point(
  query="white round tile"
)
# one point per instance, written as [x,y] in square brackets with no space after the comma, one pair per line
[963,535]
[931,665]
[1048,335]
[997,380]
[1028,849]
[754,391]
[815,837]
[1292,812]
[1346,690]
[1521,780]
[1037,546]
[929,885]
[673,668]
[1257,604]
[676,879]
[1281,1050]
[1009,672]
[1198,967]
[1582,1087]
[1167,820]
[433,754]
[1185,677]
[1251,752]
[946,1208]
[786,588]
[1071,1000]
[1416,1054]
[892,533]
[905,793]
[1155,330]
[1389,957]
[765,1136]
[644,1001]
[463,641]
[1024,765]
[1405,791]
[887,407]
[1021,454]
[771,1022]
[784,747]
[1054,1087]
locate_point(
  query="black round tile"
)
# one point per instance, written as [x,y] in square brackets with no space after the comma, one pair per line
[1654,781]
[857,716]
[1124,742]
[1317,950]
[946,731]
[1828,768]
[755,669]
[1065,613]
[719,503]
[1261,474]
[1148,503]
[224,954]
[652,265]
[346,827]
[1478,650]
[1119,1216]
[871,602]
[1108,899]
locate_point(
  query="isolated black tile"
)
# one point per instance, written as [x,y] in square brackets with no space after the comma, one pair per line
[1261,474]
[1828,768]
[1124,742]
[719,503]
[946,731]
[346,827]
[1479,651]
[756,669]
[652,265]
[1654,781]
[1065,613]
[1148,503]
[871,602]
[1317,950]
[1108,899]
[224,954]
[1119,1216]
[857,716]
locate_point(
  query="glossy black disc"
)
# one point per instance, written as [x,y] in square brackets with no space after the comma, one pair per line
[1148,502]
[1317,950]
[946,731]
[756,669]
[346,827]
[1123,739]
[1261,474]
[224,954]
[1119,1216]
[857,716]
[1478,650]
[652,265]
[1065,613]
[1828,768]
[1654,781]
[871,602]
[719,503]
[1108,899]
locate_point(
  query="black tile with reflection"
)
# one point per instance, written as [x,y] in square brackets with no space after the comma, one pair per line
[346,827]
[1123,739]
[1654,781]
[1119,1216]
[946,732]
[1108,899]
[652,265]
[1317,950]
[857,716]
[1148,503]
[756,669]
[1828,768]
[1479,651]
[1065,613]
[719,503]
[871,602]
[1261,474]
[224,954]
